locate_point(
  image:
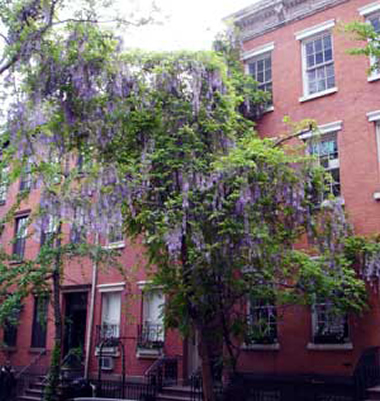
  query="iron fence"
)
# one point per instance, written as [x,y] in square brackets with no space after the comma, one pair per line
[150,336]
[143,391]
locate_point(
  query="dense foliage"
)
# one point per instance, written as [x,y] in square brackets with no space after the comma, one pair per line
[169,153]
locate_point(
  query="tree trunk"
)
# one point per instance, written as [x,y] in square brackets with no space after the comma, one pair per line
[207,377]
[51,392]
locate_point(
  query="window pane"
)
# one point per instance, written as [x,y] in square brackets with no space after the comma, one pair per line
[319,58]
[318,45]
[310,61]
[327,42]
[309,48]
[328,55]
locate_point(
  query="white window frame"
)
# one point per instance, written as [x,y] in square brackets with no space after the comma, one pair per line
[374,117]
[4,185]
[115,244]
[111,332]
[147,288]
[251,324]
[368,11]
[328,129]
[255,55]
[315,323]
[305,36]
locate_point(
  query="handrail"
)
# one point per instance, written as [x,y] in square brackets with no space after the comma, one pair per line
[32,363]
[163,372]
[367,371]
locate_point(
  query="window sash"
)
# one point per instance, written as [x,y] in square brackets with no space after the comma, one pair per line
[26,177]
[318,63]
[374,20]
[262,322]
[48,232]
[326,151]
[4,182]
[260,67]
[20,237]
[329,326]
[39,328]
[153,323]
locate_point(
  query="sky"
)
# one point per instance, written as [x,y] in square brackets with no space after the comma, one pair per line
[187,24]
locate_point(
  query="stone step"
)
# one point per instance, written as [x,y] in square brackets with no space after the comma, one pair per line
[179,391]
[164,397]
[373,393]
[34,392]
[28,398]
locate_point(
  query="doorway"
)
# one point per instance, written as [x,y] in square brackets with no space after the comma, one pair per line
[75,319]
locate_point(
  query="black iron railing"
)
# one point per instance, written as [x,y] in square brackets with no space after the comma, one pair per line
[367,371]
[150,336]
[128,390]
[163,372]
[31,373]
[107,332]
[196,386]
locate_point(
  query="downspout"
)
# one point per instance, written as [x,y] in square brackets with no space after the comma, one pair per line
[91,314]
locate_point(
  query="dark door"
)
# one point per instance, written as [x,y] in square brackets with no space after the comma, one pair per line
[75,321]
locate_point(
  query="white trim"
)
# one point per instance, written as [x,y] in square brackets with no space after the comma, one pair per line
[373,116]
[261,347]
[374,77]
[115,245]
[258,51]
[307,33]
[113,287]
[324,129]
[369,9]
[318,94]
[330,347]
[142,284]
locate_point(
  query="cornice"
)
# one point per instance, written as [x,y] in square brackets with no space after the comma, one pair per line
[268,15]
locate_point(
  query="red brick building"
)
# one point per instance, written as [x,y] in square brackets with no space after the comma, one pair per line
[297,50]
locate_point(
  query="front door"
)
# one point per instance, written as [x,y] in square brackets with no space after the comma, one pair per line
[75,321]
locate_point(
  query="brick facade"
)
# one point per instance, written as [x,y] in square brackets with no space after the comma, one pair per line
[281,24]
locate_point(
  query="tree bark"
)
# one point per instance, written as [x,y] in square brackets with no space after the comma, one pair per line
[51,392]
[206,365]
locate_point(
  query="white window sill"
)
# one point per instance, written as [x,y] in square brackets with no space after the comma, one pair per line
[144,353]
[374,77]
[115,245]
[318,94]
[330,347]
[107,351]
[268,109]
[261,347]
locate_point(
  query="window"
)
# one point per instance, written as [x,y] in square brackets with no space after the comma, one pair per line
[151,333]
[317,60]
[318,64]
[11,327]
[262,322]
[374,20]
[115,235]
[78,231]
[49,228]
[325,150]
[329,326]
[39,328]
[260,68]
[3,185]
[371,12]
[21,224]
[26,177]
[111,308]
